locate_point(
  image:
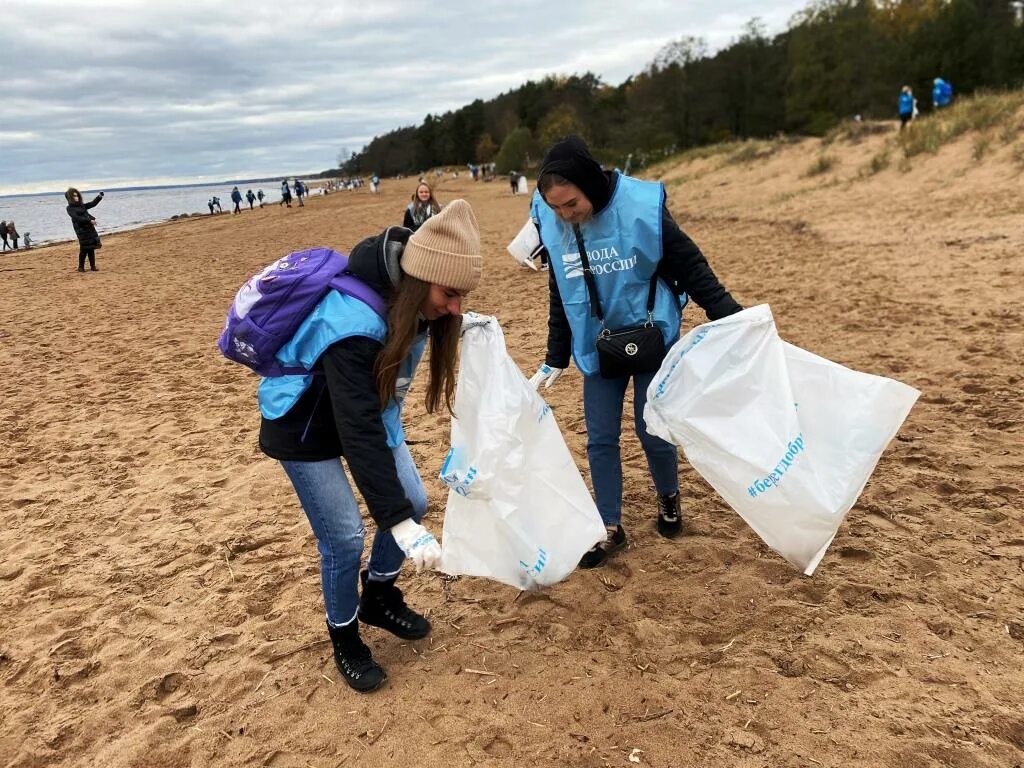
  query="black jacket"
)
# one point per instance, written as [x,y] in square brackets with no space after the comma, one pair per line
[340,414]
[683,267]
[409,221]
[82,220]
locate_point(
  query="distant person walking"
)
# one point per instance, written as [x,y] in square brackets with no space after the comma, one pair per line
[85,227]
[422,207]
[28,239]
[286,194]
[260,196]
[250,197]
[942,94]
[300,192]
[513,181]
[374,183]
[216,202]
[209,204]
[906,106]
[236,198]
[12,233]
[3,234]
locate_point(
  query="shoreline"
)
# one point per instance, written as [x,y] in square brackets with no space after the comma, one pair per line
[170,219]
[177,218]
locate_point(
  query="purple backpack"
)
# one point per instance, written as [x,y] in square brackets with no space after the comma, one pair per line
[271,306]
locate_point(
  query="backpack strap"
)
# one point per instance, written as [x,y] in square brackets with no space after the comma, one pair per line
[351,285]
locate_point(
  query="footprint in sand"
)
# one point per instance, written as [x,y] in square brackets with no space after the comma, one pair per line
[854,553]
[166,685]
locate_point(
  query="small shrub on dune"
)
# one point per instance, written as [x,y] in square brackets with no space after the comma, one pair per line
[879,162]
[855,131]
[921,136]
[1018,156]
[751,150]
[1011,131]
[823,164]
[709,150]
[981,147]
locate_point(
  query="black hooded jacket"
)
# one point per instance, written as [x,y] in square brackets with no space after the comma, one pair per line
[82,220]
[683,267]
[340,414]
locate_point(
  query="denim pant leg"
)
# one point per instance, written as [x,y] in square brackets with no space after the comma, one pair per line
[602,410]
[328,501]
[662,457]
[386,557]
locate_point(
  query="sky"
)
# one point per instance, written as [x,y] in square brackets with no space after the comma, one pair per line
[106,93]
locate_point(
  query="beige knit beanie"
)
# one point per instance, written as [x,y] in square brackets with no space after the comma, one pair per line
[446,249]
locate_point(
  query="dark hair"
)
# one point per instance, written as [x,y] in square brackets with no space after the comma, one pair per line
[549,180]
[403,324]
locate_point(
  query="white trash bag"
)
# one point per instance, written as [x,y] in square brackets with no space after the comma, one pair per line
[518,510]
[787,438]
[526,245]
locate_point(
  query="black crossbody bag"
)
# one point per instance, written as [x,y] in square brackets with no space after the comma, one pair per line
[623,351]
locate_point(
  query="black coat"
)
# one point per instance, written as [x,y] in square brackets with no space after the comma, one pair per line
[85,230]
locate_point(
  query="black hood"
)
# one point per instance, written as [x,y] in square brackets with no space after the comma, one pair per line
[375,260]
[571,159]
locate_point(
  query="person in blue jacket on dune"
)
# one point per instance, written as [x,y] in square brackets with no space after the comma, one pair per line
[906,106]
[942,93]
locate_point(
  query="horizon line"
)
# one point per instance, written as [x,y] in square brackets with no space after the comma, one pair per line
[128,186]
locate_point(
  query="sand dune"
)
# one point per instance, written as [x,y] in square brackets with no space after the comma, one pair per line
[159,589]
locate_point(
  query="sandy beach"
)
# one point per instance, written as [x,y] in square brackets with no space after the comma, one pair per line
[159,584]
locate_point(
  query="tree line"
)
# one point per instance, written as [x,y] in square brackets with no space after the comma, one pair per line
[837,59]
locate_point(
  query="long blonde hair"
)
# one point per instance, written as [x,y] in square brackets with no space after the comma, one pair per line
[403,324]
[421,211]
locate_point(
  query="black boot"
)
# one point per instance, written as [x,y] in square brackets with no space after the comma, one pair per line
[598,554]
[354,660]
[381,605]
[670,523]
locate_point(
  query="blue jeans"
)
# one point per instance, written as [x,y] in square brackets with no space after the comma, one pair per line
[602,409]
[327,499]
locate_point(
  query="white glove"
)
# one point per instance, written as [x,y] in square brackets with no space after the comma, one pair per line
[545,375]
[418,544]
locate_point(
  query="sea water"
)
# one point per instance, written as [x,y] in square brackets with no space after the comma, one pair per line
[43,215]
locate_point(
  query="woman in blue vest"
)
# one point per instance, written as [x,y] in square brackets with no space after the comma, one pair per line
[632,243]
[350,406]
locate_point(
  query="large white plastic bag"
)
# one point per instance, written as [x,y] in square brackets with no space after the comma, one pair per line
[788,439]
[518,510]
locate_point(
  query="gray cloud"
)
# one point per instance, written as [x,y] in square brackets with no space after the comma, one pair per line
[123,89]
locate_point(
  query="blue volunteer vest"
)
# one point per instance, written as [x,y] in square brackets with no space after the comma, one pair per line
[623,246]
[337,316]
